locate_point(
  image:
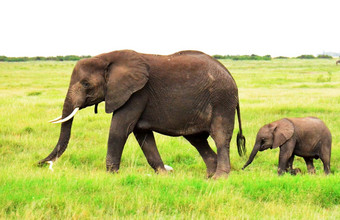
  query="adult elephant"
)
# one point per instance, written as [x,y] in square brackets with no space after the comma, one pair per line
[186,94]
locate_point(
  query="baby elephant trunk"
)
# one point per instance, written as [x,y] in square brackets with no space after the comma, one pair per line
[252,155]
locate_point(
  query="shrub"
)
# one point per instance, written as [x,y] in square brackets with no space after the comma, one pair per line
[306,57]
[324,56]
[215,56]
[57,58]
[243,57]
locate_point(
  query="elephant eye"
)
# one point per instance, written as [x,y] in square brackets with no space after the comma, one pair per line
[85,84]
[262,141]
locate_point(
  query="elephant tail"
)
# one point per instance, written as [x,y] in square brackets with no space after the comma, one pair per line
[241,140]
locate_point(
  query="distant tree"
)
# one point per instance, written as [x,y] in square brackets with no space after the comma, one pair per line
[306,57]
[281,57]
[324,56]
[243,57]
[39,58]
[218,56]
[3,58]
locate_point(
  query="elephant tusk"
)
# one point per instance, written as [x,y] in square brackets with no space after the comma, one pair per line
[68,117]
[56,119]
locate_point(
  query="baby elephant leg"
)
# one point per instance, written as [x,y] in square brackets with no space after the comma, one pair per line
[310,165]
[326,165]
[290,166]
[286,152]
[326,156]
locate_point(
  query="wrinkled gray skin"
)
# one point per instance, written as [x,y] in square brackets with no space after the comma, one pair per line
[337,62]
[186,94]
[305,137]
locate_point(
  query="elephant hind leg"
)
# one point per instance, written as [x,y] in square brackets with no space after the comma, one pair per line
[147,143]
[221,131]
[325,156]
[310,165]
[326,164]
[326,167]
[199,141]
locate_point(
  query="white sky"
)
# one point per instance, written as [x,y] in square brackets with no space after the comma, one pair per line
[65,27]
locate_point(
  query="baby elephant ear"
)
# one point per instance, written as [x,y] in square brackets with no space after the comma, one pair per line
[282,132]
[126,74]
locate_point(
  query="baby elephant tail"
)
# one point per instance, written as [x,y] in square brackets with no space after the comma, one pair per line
[241,140]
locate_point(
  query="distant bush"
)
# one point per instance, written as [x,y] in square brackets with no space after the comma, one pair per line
[306,57]
[57,58]
[243,57]
[325,56]
[215,56]
[281,57]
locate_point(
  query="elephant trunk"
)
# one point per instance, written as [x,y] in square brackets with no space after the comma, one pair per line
[64,137]
[252,155]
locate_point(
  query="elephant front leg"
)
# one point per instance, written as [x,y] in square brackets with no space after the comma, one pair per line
[147,143]
[122,124]
[286,157]
[290,165]
[115,147]
[282,165]
[119,131]
[291,170]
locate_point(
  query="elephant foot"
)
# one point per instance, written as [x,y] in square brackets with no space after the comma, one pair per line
[112,168]
[295,171]
[280,172]
[161,171]
[45,162]
[210,174]
[311,171]
[42,163]
[220,174]
[211,171]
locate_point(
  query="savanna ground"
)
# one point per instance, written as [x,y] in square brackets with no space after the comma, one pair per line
[32,93]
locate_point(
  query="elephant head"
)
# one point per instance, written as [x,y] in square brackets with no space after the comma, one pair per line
[271,136]
[111,77]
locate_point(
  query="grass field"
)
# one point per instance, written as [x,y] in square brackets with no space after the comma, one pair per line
[32,93]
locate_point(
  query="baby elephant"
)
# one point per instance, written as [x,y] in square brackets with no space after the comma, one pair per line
[305,137]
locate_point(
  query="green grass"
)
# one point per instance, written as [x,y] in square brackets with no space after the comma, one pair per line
[32,93]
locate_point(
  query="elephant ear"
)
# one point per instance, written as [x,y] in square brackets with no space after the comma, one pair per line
[127,73]
[283,131]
